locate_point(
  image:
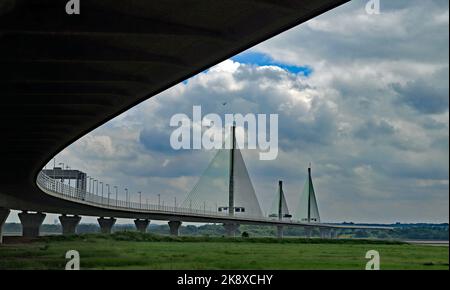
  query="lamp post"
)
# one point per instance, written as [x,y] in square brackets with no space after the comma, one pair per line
[115,187]
[101,182]
[91,187]
[140,199]
[88,179]
[67,168]
[126,196]
[159,200]
[62,175]
[54,165]
[107,185]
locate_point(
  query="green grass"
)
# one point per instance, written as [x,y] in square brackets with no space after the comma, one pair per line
[128,250]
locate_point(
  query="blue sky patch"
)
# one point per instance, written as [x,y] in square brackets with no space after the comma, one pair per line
[262,59]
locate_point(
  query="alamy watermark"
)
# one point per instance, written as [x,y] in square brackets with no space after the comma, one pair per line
[211,132]
[374,260]
[373,7]
[73,7]
[74,260]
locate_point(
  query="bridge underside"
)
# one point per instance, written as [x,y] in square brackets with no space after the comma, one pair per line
[62,75]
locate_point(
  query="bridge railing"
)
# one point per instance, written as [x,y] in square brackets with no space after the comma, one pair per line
[57,188]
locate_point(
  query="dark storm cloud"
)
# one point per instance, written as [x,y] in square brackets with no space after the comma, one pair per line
[156,139]
[423,97]
[373,128]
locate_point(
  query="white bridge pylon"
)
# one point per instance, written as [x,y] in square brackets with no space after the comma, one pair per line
[225,185]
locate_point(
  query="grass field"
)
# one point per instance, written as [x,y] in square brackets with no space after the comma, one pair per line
[145,251]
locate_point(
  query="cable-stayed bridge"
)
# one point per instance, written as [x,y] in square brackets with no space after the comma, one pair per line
[63,76]
[223,194]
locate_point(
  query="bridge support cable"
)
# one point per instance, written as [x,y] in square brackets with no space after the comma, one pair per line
[307,210]
[225,187]
[279,208]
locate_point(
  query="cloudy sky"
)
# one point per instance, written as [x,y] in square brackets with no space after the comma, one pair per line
[365,98]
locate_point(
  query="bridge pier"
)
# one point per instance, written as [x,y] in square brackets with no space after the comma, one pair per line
[280,232]
[4,213]
[308,232]
[325,233]
[31,223]
[69,224]
[333,233]
[141,225]
[174,227]
[106,224]
[231,229]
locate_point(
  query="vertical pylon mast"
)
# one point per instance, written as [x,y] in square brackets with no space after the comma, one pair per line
[280,200]
[309,192]
[231,182]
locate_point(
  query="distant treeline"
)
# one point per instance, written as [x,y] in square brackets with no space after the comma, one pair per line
[419,231]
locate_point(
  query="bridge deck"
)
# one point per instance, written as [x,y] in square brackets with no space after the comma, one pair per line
[120,208]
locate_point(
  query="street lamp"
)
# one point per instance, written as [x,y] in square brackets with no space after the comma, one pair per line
[67,168]
[62,175]
[115,187]
[126,196]
[89,183]
[140,199]
[54,165]
[101,182]
[107,185]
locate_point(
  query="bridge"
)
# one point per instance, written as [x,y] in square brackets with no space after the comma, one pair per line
[64,75]
[226,181]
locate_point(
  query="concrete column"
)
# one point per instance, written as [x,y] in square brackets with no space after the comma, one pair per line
[280,232]
[106,224]
[4,212]
[333,233]
[174,227]
[31,223]
[325,233]
[308,232]
[69,224]
[141,225]
[231,229]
